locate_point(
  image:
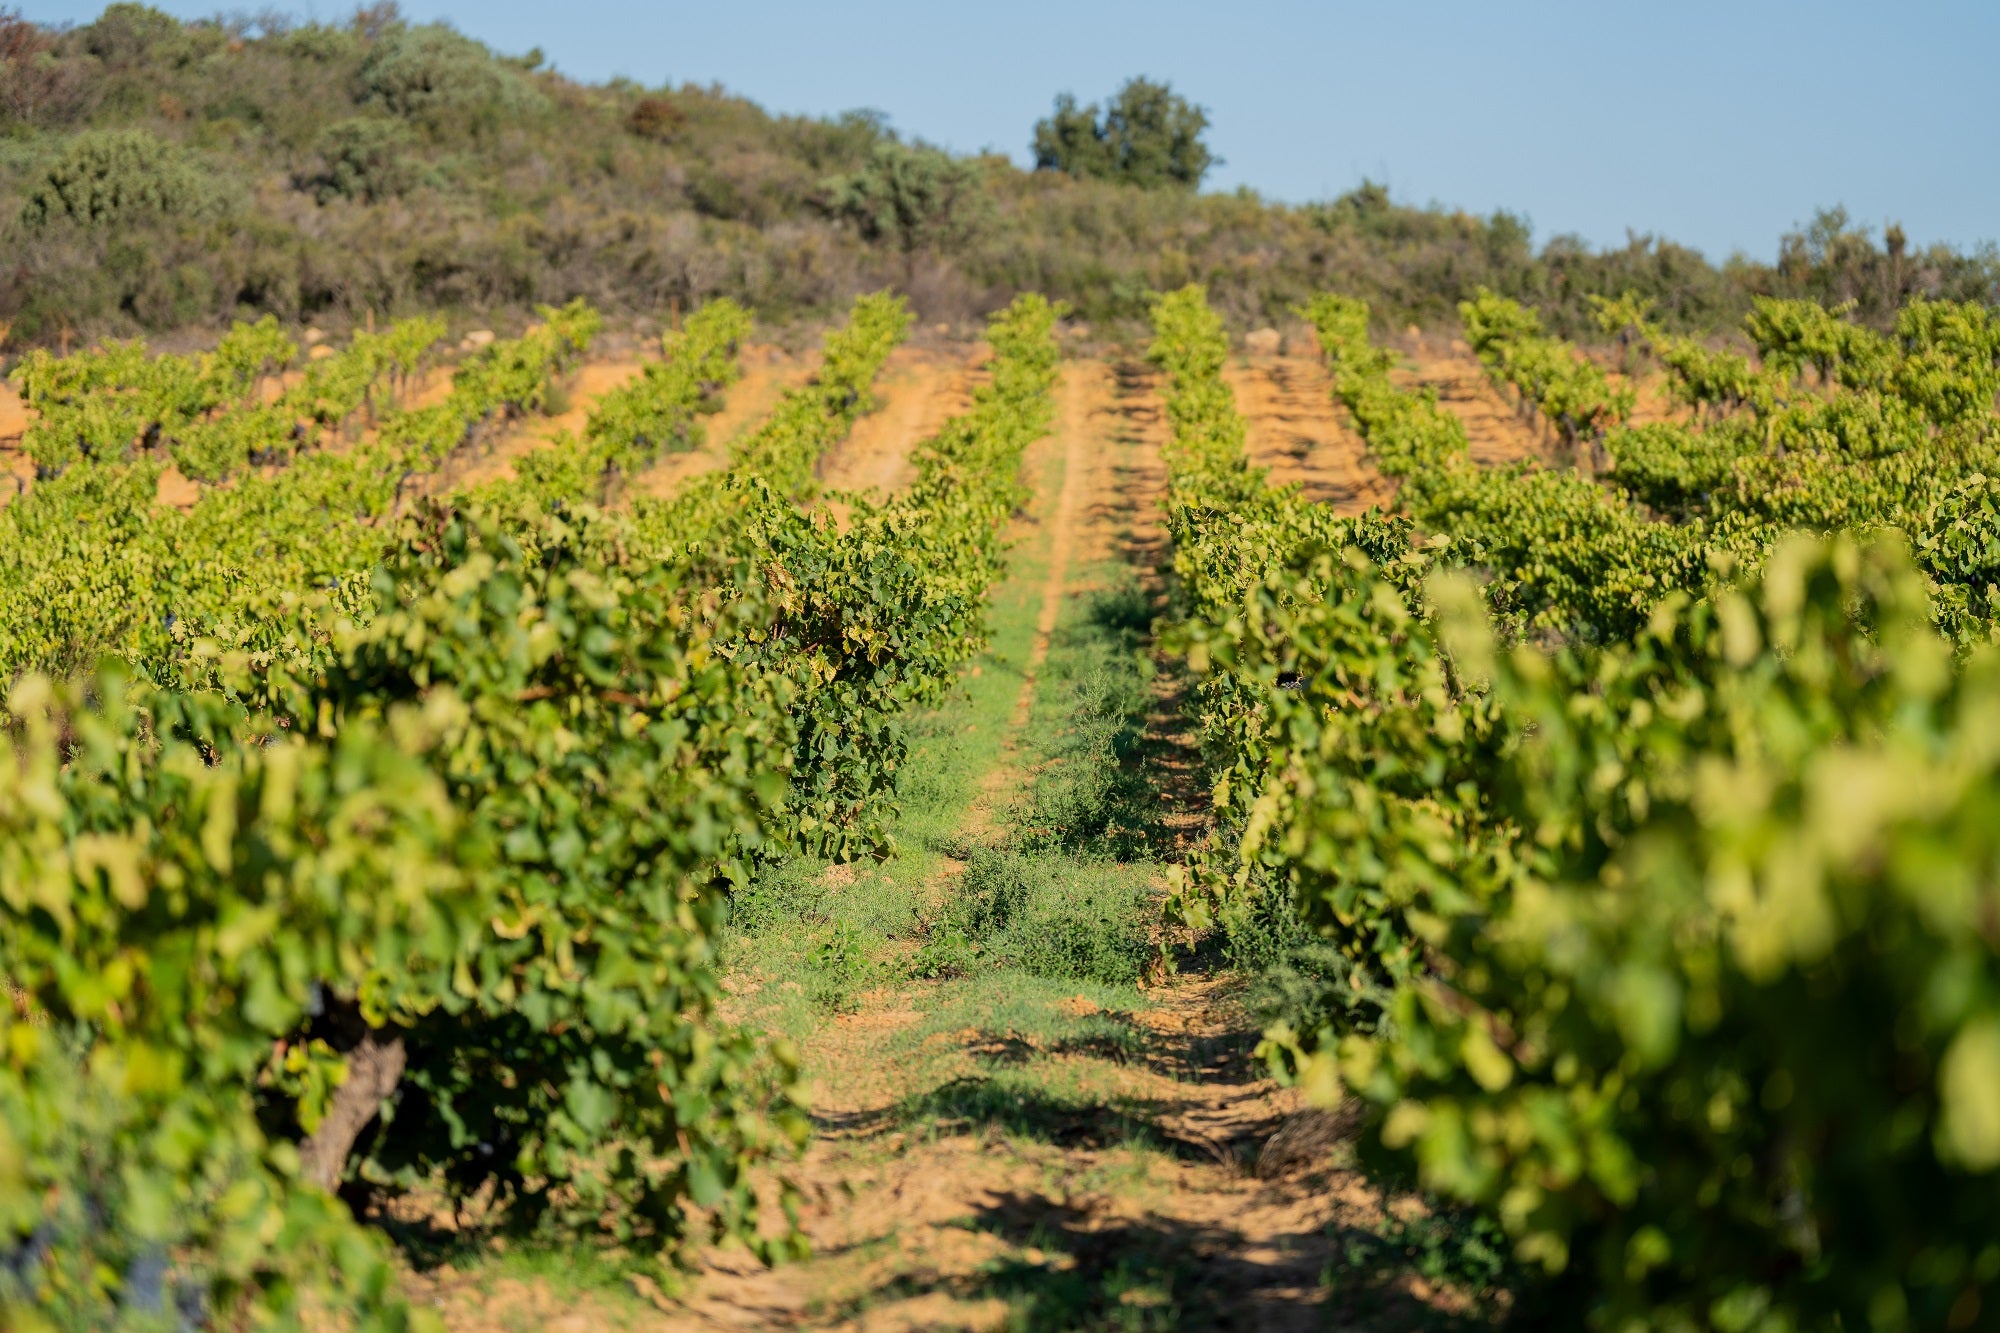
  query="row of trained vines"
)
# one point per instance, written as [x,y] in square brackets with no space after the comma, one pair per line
[355,842]
[1647,833]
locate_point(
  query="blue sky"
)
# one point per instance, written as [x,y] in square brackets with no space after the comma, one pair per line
[1720,125]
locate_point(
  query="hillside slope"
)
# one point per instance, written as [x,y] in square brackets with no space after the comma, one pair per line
[158,176]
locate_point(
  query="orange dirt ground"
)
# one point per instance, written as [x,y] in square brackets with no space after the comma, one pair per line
[918,390]
[1300,434]
[494,460]
[768,372]
[17,470]
[1494,427]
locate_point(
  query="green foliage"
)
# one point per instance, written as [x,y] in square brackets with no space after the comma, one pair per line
[175,908]
[582,770]
[602,740]
[1958,546]
[1896,432]
[125,32]
[365,159]
[1562,555]
[1148,136]
[321,43]
[443,80]
[1716,1037]
[1664,947]
[914,198]
[115,178]
[556,743]
[1572,392]
[364,375]
[838,970]
[1072,141]
[103,402]
[95,567]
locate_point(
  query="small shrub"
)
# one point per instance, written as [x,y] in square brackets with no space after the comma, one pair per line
[781,894]
[655,118]
[948,952]
[912,198]
[840,970]
[1046,915]
[443,79]
[365,159]
[115,178]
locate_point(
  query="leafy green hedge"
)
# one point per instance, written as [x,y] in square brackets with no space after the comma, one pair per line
[1675,952]
[423,892]
[1551,376]
[1711,1016]
[84,576]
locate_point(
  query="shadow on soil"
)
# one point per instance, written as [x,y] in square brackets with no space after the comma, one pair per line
[1016,1092]
[1068,1267]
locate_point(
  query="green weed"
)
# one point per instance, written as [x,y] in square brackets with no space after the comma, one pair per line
[839,969]
[1048,915]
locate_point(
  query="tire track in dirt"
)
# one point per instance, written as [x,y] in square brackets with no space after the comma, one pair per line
[1494,429]
[1095,515]
[1074,426]
[1127,518]
[1299,436]
[1049,523]
[1131,525]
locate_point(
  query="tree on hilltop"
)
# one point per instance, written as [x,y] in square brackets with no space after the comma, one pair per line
[1148,135]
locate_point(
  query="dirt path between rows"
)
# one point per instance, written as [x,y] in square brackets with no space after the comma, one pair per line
[920,388]
[1299,435]
[494,459]
[768,373]
[1079,416]
[1654,403]
[1494,427]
